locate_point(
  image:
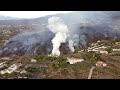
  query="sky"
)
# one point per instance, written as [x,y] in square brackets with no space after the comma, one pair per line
[30,14]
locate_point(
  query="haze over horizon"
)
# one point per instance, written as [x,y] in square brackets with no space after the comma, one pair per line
[30,14]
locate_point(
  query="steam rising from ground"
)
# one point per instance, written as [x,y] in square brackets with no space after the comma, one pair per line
[71,45]
[56,25]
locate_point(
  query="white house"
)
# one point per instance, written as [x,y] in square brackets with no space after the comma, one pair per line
[80,51]
[5,58]
[74,60]
[3,64]
[33,60]
[103,52]
[23,71]
[115,49]
[94,50]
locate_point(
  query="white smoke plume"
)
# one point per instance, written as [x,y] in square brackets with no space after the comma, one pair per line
[56,25]
[73,41]
[71,45]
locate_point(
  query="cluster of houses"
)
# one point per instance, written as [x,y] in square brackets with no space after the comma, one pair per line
[6,32]
[5,58]
[11,69]
[101,49]
[98,49]
[4,25]
[15,67]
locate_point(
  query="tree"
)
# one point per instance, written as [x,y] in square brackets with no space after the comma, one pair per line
[109,49]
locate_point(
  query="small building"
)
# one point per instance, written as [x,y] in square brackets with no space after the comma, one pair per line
[3,64]
[33,60]
[116,50]
[74,60]
[98,41]
[102,48]
[23,71]
[104,52]
[93,50]
[80,51]
[101,64]
[18,65]
[17,71]
[117,43]
[22,77]
[5,58]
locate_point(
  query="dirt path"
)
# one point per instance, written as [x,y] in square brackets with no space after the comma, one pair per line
[91,71]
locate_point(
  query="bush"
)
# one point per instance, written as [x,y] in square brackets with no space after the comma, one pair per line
[97,57]
[91,56]
[51,58]
[26,75]
[32,69]
[76,55]
[88,55]
[39,57]
[55,66]
[60,63]
[109,49]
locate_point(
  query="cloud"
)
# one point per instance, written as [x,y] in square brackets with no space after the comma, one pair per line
[30,14]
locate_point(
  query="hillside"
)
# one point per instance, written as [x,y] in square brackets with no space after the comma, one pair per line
[28,41]
[8,18]
[46,67]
